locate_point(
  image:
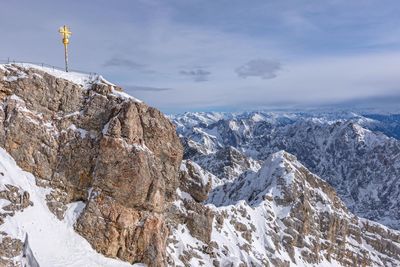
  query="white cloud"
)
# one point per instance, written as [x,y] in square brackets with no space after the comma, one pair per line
[263,68]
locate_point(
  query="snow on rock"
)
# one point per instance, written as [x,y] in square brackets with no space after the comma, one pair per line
[346,149]
[195,181]
[283,215]
[73,212]
[82,79]
[74,139]
[28,259]
[53,242]
[124,95]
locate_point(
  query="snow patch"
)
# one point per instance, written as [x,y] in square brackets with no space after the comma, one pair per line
[54,243]
[73,212]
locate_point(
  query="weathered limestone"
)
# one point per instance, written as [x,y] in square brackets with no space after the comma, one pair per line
[194,180]
[9,248]
[79,140]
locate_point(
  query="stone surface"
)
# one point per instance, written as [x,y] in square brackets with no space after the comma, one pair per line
[77,140]
[17,200]
[9,249]
[195,181]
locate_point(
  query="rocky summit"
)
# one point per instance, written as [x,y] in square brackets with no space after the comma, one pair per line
[90,176]
[87,141]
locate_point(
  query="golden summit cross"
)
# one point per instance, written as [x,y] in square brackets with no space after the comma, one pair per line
[65,33]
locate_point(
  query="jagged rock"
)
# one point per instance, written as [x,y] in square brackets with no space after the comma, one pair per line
[199,220]
[194,180]
[80,137]
[196,183]
[118,231]
[361,165]
[17,198]
[284,215]
[9,249]
[197,217]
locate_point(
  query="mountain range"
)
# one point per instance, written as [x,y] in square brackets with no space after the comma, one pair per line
[90,176]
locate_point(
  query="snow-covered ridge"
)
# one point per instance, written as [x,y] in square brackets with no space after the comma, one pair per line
[283,215]
[86,81]
[253,187]
[357,154]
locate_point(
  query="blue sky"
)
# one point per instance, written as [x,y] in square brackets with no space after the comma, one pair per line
[187,55]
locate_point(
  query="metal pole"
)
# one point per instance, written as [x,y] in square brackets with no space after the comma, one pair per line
[65,32]
[66,57]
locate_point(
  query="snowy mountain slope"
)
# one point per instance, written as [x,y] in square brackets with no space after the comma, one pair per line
[53,242]
[388,124]
[282,215]
[227,163]
[362,165]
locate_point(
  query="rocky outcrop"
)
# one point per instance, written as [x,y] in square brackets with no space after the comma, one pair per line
[195,181]
[89,142]
[284,215]
[13,199]
[189,211]
[10,248]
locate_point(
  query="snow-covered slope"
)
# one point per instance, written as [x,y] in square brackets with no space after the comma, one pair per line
[362,165]
[282,215]
[53,242]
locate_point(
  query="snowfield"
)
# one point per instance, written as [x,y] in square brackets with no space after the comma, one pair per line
[54,243]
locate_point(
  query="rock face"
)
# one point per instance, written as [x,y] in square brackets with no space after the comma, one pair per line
[89,142]
[189,213]
[195,181]
[227,163]
[284,215]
